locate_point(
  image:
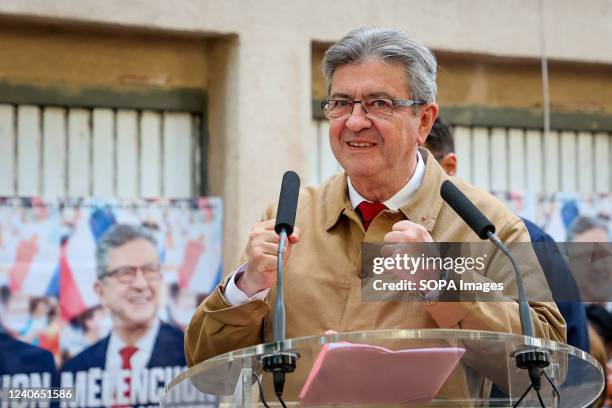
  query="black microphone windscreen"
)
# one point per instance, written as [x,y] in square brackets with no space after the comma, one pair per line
[466,210]
[287,203]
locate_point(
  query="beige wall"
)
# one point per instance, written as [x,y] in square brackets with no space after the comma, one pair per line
[258,67]
[504,82]
[515,83]
[43,55]
[502,27]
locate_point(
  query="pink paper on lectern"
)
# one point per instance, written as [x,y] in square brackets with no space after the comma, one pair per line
[346,373]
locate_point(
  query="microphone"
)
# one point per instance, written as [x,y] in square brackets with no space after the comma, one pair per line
[281,362]
[485,229]
[529,358]
[287,203]
[466,210]
[285,220]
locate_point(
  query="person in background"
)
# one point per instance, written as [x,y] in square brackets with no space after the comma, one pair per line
[441,144]
[593,274]
[588,229]
[93,324]
[50,337]
[38,321]
[17,357]
[86,329]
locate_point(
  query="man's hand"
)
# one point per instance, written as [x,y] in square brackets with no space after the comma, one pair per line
[407,231]
[260,272]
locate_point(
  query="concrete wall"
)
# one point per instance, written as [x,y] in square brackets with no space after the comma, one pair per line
[504,27]
[259,70]
[507,82]
[48,54]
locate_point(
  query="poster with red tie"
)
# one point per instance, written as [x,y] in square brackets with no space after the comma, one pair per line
[101,291]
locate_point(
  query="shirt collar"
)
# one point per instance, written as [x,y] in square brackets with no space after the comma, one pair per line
[402,197]
[145,343]
[423,207]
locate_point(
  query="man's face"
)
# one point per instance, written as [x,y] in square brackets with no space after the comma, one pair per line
[132,304]
[591,267]
[592,235]
[390,143]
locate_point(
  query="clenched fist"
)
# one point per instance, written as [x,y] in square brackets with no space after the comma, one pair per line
[407,231]
[262,247]
[413,240]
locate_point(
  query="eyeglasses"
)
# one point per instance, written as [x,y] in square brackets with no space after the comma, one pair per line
[374,108]
[127,274]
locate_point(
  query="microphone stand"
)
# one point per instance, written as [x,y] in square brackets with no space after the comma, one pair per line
[279,307]
[279,363]
[532,359]
[529,358]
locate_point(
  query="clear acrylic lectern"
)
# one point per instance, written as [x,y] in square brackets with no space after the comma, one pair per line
[485,375]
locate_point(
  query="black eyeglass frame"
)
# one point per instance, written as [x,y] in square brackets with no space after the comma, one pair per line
[127,274]
[395,103]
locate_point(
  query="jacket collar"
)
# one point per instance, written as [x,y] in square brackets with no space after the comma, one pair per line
[335,200]
[423,208]
[425,205]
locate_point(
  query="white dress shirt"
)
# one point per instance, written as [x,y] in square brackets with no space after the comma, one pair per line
[402,197]
[235,296]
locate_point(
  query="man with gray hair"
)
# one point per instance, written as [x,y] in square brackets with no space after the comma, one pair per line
[128,284]
[590,259]
[441,145]
[588,229]
[381,105]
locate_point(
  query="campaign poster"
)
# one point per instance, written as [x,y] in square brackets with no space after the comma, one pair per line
[98,293]
[558,213]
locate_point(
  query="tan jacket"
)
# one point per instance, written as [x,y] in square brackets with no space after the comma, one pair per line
[322,284]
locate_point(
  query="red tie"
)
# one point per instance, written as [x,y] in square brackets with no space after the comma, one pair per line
[369,211]
[126,354]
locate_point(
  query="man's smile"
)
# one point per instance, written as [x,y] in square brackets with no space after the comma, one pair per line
[139,300]
[359,145]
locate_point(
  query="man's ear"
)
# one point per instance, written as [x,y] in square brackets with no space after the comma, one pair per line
[428,116]
[449,164]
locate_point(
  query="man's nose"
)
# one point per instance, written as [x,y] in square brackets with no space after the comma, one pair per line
[358,120]
[139,280]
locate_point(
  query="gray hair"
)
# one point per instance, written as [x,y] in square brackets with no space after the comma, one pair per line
[391,46]
[116,236]
[582,224]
